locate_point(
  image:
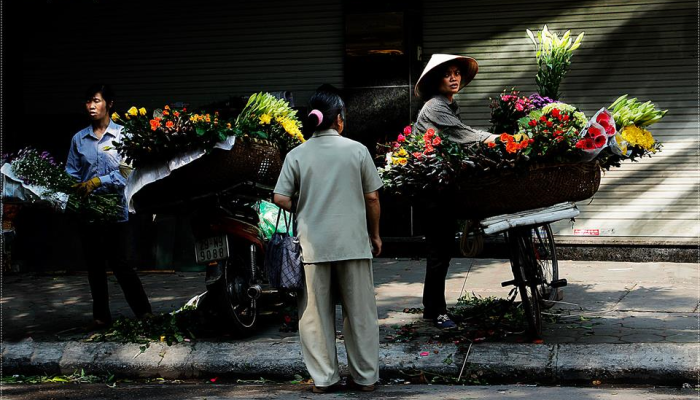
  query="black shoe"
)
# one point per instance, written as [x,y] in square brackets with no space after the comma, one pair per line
[443,321]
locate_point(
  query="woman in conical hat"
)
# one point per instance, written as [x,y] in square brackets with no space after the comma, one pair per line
[443,77]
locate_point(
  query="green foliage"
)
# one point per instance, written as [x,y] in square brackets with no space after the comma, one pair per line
[168,328]
[628,111]
[75,377]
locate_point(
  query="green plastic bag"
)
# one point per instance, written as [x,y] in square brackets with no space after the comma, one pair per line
[268,218]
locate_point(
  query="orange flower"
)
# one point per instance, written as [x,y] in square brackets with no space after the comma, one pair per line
[169,124]
[429,148]
[437,141]
[524,144]
[492,145]
[418,155]
[505,137]
[166,112]
[155,123]
[512,147]
[430,132]
[175,113]
[167,107]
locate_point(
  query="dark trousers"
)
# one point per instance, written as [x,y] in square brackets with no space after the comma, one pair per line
[108,244]
[440,238]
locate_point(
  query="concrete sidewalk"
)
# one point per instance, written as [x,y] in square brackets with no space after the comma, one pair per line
[641,324]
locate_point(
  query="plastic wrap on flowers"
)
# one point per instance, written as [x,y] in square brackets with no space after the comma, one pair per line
[540,186]
[251,160]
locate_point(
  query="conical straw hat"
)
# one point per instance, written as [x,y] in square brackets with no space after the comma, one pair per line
[467,65]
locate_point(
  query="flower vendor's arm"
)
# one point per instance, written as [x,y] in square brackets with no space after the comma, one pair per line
[113,180]
[287,184]
[453,127]
[371,183]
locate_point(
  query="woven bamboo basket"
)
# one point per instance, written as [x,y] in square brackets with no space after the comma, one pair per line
[541,186]
[252,160]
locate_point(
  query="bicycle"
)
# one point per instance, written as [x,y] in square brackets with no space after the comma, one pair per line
[533,258]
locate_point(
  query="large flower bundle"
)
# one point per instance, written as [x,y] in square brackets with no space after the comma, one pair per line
[532,130]
[163,134]
[50,179]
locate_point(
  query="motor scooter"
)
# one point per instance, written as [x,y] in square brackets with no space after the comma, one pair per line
[230,243]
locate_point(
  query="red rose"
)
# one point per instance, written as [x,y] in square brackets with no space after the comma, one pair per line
[430,132]
[512,147]
[505,137]
[524,144]
[558,132]
[429,148]
[407,130]
[533,122]
[401,138]
[550,124]
[555,112]
[543,118]
[565,117]
[531,141]
[437,141]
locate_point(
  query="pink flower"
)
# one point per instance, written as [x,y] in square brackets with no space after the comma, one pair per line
[407,130]
[519,106]
[401,138]
[430,133]
[397,145]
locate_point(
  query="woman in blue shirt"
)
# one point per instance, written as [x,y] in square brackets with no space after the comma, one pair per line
[94,162]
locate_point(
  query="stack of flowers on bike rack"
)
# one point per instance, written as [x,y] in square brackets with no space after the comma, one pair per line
[547,151]
[179,154]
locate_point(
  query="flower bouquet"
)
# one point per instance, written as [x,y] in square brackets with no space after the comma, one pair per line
[47,181]
[201,154]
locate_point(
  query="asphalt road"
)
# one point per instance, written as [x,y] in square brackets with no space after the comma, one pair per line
[285,391]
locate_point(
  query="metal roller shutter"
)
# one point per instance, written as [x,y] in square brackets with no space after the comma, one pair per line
[194,52]
[646,48]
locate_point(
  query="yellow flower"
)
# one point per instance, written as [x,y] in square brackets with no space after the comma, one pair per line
[115,117]
[265,119]
[142,111]
[621,143]
[228,125]
[403,161]
[133,111]
[402,152]
[640,137]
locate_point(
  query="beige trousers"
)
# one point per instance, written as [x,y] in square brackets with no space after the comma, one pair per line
[352,282]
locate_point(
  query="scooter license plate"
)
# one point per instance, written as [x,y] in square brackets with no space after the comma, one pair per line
[211,249]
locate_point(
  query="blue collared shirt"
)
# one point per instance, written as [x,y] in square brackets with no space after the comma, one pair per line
[91,157]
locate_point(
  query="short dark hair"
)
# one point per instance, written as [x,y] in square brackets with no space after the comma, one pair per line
[327,100]
[101,88]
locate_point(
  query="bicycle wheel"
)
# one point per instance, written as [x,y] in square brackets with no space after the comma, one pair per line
[546,256]
[524,268]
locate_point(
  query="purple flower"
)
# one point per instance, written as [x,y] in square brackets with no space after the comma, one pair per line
[539,101]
